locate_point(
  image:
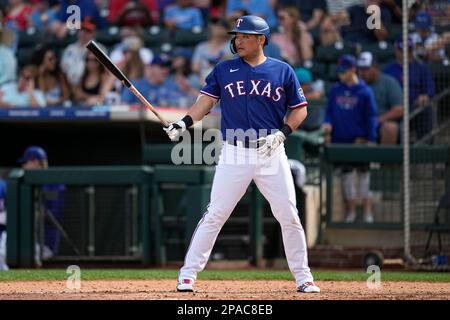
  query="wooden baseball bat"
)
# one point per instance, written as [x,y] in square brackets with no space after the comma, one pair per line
[104,60]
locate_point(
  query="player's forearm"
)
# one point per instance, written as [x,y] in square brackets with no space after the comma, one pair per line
[296,117]
[201,108]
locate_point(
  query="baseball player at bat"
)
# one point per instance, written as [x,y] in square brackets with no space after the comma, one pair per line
[255,93]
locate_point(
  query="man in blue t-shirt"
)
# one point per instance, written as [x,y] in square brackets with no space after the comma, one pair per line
[156,87]
[351,117]
[183,15]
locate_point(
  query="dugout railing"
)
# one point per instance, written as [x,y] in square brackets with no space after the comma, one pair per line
[430,171]
[86,225]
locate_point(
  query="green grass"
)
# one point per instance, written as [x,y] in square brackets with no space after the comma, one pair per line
[141,274]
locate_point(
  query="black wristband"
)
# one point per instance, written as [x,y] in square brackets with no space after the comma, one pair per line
[188,121]
[286,130]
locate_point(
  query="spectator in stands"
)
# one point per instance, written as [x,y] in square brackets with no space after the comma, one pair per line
[18,15]
[215,49]
[183,15]
[88,92]
[131,65]
[388,95]
[156,86]
[263,8]
[44,15]
[185,79]
[311,11]
[328,32]
[421,86]
[358,31]
[74,56]
[50,78]
[427,44]
[313,90]
[294,41]
[3,265]
[133,13]
[8,62]
[50,200]
[88,8]
[22,93]
[126,32]
[395,7]
[337,10]
[351,118]
[163,4]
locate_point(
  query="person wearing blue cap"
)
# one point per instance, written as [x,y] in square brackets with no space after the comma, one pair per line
[421,87]
[351,117]
[51,200]
[427,43]
[156,85]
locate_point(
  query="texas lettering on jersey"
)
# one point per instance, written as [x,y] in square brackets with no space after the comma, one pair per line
[254,97]
[258,88]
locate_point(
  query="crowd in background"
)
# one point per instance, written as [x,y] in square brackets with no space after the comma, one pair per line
[360,91]
[61,72]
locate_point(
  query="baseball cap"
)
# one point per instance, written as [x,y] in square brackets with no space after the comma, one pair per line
[366,60]
[303,75]
[87,24]
[33,153]
[399,43]
[346,62]
[423,20]
[160,61]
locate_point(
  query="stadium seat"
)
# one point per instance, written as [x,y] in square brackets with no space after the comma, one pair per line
[330,54]
[315,33]
[441,74]
[155,36]
[382,50]
[109,36]
[190,38]
[332,73]
[318,70]
[30,37]
[441,29]
[395,31]
[24,56]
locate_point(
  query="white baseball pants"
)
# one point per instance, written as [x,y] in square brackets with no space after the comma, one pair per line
[237,167]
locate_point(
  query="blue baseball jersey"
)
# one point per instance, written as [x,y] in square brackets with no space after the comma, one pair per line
[352,112]
[254,98]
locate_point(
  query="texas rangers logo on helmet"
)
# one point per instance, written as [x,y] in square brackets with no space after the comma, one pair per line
[238,22]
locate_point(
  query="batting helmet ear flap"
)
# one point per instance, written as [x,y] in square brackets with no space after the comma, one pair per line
[233,45]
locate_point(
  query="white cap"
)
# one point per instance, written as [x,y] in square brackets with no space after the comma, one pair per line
[365,60]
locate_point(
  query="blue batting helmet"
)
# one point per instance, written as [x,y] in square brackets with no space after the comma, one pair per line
[250,25]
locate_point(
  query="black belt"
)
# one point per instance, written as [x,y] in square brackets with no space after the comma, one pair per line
[246,144]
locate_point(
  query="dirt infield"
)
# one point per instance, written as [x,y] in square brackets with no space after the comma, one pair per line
[218,289]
